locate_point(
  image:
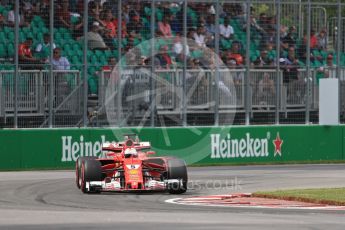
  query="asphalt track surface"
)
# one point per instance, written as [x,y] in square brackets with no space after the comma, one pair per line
[50,200]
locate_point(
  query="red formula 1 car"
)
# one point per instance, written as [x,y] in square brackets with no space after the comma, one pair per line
[128,167]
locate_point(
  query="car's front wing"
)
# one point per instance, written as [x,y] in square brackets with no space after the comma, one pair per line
[114,186]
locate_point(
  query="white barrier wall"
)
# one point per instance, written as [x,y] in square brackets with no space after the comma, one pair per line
[329,101]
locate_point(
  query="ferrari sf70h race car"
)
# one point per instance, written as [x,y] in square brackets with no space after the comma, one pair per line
[128,167]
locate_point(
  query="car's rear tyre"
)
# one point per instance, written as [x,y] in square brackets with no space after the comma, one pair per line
[177,170]
[91,170]
[78,164]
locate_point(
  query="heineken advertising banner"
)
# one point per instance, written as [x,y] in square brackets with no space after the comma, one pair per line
[59,148]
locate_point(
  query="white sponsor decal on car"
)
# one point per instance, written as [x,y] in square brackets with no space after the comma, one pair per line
[132,166]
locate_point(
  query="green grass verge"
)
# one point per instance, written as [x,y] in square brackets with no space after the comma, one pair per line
[269,163]
[330,196]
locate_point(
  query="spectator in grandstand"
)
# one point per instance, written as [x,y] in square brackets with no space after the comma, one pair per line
[111,64]
[269,37]
[211,10]
[237,76]
[165,60]
[135,26]
[290,66]
[164,27]
[26,59]
[2,21]
[95,40]
[21,17]
[64,19]
[43,9]
[257,31]
[137,9]
[125,12]
[200,37]
[130,43]
[210,25]
[315,56]
[123,28]
[328,70]
[302,49]
[290,39]
[208,35]
[176,22]
[264,22]
[322,40]
[263,61]
[200,9]
[43,49]
[27,5]
[225,30]
[196,83]
[178,48]
[266,90]
[80,7]
[109,28]
[59,62]
[73,5]
[235,53]
[94,13]
[231,9]
[31,8]
[143,61]
[224,84]
[62,80]
[110,5]
[313,39]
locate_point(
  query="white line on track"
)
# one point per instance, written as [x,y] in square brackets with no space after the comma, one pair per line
[181,201]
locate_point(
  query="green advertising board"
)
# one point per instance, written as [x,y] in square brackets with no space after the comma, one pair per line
[59,148]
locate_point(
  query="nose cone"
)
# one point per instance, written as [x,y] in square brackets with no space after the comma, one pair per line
[134,185]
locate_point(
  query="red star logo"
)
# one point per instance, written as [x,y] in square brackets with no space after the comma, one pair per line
[278,145]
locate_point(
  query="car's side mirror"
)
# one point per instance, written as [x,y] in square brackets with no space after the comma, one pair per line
[151,152]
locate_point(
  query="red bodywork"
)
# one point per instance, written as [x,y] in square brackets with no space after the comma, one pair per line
[135,172]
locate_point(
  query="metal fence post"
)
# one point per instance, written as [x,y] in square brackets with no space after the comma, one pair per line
[85,78]
[216,107]
[247,80]
[152,81]
[339,38]
[119,65]
[307,101]
[278,8]
[184,80]
[2,101]
[16,61]
[51,76]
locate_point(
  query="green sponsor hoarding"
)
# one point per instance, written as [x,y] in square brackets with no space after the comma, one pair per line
[59,148]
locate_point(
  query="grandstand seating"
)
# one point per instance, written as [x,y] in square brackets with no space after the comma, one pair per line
[73,49]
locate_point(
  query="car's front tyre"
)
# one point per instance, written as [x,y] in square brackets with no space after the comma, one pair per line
[177,170]
[78,164]
[91,170]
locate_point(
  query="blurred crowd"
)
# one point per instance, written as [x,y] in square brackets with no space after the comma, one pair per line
[103,34]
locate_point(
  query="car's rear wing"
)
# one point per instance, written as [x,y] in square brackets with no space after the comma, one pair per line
[118,147]
[113,147]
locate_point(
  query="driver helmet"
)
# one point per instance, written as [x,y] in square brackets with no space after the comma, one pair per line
[130,152]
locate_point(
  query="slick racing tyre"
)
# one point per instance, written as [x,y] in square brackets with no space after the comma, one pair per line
[78,164]
[91,170]
[177,170]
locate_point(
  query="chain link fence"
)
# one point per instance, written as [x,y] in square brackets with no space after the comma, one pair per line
[167,63]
